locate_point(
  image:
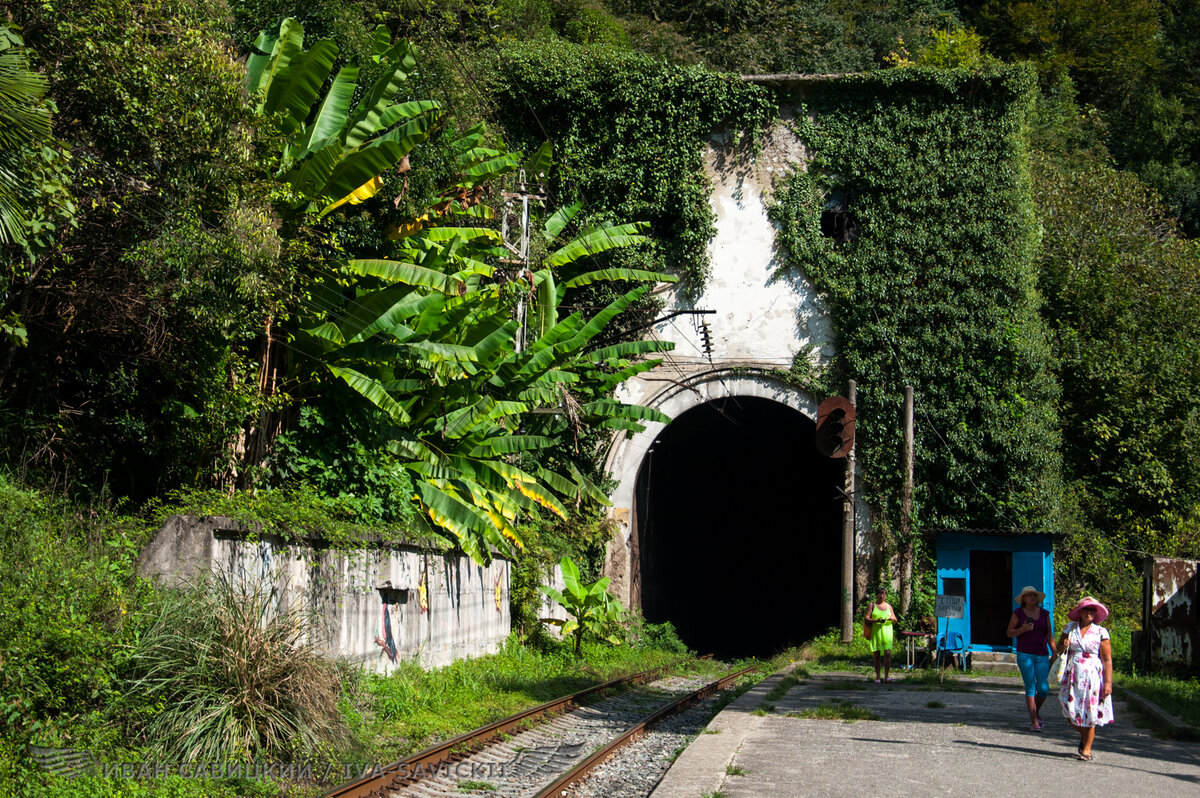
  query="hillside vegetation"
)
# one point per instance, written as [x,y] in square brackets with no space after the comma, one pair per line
[252,265]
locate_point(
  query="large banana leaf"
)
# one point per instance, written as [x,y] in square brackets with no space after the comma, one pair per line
[330,121]
[615,275]
[364,120]
[360,166]
[371,390]
[559,220]
[510,444]
[272,55]
[589,488]
[407,110]
[460,518]
[629,349]
[309,178]
[544,313]
[294,88]
[593,327]
[611,408]
[597,240]
[397,272]
[339,156]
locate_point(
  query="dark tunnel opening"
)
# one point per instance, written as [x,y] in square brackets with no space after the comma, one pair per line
[739,529]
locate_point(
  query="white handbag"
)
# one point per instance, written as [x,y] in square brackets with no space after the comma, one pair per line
[1059,666]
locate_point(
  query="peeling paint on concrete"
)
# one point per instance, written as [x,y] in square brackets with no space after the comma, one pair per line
[460,617]
[1170,617]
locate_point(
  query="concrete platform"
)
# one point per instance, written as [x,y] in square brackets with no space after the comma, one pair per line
[977,743]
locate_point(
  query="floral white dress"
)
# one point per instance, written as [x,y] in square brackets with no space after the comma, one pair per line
[1079,694]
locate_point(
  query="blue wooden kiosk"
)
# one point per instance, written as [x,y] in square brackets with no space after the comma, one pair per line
[987,568]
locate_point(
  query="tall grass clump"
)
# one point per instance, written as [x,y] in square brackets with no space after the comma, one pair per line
[235,675]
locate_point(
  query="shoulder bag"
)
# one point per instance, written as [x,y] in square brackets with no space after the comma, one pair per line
[1059,666]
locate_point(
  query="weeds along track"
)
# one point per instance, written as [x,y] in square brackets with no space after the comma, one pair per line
[542,751]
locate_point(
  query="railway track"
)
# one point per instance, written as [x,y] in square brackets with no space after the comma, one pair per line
[544,751]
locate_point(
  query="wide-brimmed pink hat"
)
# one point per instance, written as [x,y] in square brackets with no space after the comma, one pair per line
[1089,601]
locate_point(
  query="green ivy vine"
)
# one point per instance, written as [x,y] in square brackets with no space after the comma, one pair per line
[934,285]
[628,136]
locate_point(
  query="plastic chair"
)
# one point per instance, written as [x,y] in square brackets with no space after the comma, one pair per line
[952,643]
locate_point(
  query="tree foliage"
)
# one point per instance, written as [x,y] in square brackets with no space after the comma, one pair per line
[1123,301]
[143,305]
[24,124]
[1134,61]
[464,387]
[427,336]
[175,245]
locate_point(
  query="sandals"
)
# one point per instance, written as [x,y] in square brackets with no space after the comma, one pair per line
[1085,757]
[1039,726]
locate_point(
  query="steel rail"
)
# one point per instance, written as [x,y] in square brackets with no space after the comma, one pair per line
[398,773]
[576,774]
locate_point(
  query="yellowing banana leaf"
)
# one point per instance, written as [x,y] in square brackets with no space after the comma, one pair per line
[457,517]
[359,195]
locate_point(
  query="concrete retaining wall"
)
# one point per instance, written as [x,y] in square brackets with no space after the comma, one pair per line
[439,607]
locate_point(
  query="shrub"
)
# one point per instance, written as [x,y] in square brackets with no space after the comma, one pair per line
[661,636]
[235,675]
[593,610]
[67,582]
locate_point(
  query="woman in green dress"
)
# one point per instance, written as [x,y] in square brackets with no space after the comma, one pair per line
[879,619]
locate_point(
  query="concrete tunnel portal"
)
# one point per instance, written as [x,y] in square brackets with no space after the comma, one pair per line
[738,528]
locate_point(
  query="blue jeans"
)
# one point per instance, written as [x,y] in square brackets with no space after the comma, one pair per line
[1034,670]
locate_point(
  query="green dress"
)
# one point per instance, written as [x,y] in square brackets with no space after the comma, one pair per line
[881,630]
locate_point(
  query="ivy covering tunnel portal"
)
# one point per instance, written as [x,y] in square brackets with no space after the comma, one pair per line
[739,528]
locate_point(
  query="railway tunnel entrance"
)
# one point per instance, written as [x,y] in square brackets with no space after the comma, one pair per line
[738,528]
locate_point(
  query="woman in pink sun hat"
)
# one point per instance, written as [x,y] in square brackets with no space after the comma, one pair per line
[1086,691]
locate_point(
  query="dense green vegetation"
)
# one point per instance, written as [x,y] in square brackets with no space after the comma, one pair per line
[95,659]
[194,313]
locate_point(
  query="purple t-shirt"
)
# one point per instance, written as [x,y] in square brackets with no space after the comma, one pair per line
[1033,641]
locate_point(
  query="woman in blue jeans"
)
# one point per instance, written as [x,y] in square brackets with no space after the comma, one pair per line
[1030,625]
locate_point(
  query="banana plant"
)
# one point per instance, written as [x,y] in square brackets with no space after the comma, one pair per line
[591,607]
[430,340]
[462,402]
[336,151]
[24,122]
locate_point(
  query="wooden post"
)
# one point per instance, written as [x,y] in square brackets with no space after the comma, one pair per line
[848,539]
[906,506]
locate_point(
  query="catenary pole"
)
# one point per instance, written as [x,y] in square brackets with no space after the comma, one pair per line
[848,539]
[906,506]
